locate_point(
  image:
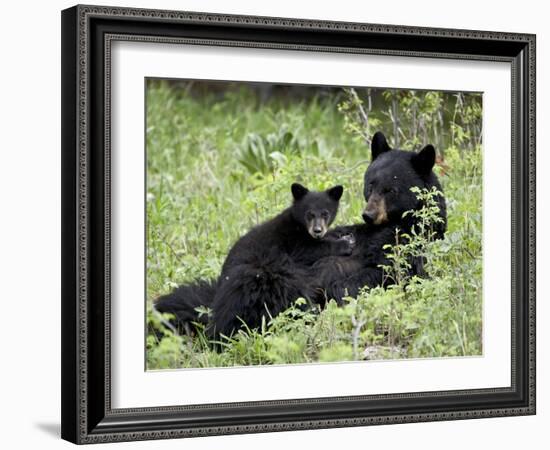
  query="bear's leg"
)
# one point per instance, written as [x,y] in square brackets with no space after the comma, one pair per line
[249,291]
[351,285]
[417,266]
[182,303]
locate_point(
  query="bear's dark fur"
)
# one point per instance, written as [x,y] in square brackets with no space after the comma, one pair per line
[183,301]
[266,269]
[387,191]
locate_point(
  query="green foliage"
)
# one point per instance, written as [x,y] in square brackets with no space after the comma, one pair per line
[412,118]
[219,163]
[414,244]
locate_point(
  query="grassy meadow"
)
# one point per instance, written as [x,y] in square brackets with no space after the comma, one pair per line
[221,158]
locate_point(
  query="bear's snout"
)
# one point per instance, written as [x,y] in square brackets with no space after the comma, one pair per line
[368,216]
[317,228]
[375,212]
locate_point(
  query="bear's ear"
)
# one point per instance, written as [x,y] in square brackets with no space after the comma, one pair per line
[378,145]
[298,191]
[335,193]
[424,160]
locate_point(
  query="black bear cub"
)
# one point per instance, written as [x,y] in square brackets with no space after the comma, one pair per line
[387,190]
[266,269]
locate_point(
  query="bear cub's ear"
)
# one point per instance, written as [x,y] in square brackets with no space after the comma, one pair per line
[298,191]
[335,193]
[424,160]
[378,145]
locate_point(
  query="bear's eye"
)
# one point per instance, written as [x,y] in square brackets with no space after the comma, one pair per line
[310,215]
[325,214]
[391,190]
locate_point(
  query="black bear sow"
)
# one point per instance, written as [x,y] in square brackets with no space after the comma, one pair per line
[388,182]
[387,191]
[266,269]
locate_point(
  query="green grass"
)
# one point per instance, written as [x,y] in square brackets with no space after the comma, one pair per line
[220,163]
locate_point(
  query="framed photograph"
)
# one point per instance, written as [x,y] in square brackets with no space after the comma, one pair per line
[281,224]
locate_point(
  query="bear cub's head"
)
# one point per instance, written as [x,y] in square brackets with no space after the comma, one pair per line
[315,211]
[390,177]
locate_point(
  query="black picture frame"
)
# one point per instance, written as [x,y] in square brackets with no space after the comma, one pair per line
[87,32]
